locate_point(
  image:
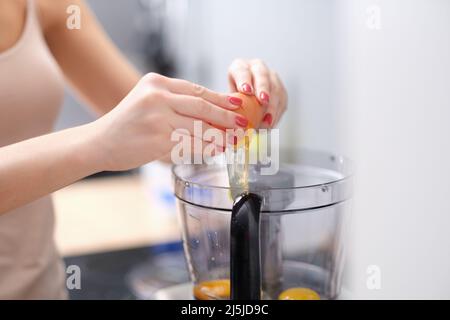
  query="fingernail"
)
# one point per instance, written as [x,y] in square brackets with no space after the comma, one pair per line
[234,100]
[233,140]
[247,88]
[220,148]
[264,97]
[268,119]
[241,121]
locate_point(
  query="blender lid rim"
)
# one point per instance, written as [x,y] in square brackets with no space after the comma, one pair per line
[267,211]
[202,185]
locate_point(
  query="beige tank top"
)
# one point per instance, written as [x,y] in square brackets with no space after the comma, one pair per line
[31,92]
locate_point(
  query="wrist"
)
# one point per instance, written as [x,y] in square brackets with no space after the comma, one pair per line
[90,152]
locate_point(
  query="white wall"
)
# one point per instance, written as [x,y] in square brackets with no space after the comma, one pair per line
[292,36]
[395,83]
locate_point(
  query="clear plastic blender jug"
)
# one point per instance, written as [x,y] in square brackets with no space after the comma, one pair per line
[301,228]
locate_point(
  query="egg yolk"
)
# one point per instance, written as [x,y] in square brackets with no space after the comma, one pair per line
[211,290]
[299,294]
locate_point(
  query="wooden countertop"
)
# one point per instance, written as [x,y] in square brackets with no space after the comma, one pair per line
[111,213]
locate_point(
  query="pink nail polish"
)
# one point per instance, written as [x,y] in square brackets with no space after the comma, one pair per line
[241,121]
[220,148]
[268,119]
[263,96]
[232,140]
[235,101]
[247,88]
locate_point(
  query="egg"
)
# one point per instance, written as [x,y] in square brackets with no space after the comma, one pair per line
[211,290]
[299,294]
[251,109]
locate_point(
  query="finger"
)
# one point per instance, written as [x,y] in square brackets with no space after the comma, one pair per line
[205,149]
[179,86]
[198,108]
[240,77]
[271,115]
[199,129]
[195,151]
[282,94]
[261,81]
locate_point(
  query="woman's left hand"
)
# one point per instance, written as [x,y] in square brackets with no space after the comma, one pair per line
[253,77]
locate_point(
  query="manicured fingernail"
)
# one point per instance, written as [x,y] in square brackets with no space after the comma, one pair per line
[234,100]
[233,140]
[263,96]
[241,121]
[220,148]
[268,119]
[247,88]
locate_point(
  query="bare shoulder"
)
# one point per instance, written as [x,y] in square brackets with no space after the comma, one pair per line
[53,13]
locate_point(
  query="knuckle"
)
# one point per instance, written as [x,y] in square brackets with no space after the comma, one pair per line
[155,95]
[231,68]
[152,78]
[237,63]
[263,83]
[242,72]
[258,62]
[260,70]
[198,90]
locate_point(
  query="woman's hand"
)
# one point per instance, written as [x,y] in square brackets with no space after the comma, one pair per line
[139,129]
[253,77]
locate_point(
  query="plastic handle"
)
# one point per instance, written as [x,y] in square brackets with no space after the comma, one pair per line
[245,261]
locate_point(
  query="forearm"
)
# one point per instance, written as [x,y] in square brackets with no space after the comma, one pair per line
[33,168]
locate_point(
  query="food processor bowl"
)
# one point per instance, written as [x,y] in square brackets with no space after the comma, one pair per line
[302,224]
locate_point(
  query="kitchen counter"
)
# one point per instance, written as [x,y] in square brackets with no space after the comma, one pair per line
[135,273]
[111,213]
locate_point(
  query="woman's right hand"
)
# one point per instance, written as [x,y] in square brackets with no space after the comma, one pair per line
[139,129]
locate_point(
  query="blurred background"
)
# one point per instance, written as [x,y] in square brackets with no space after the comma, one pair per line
[197,40]
[367,79]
